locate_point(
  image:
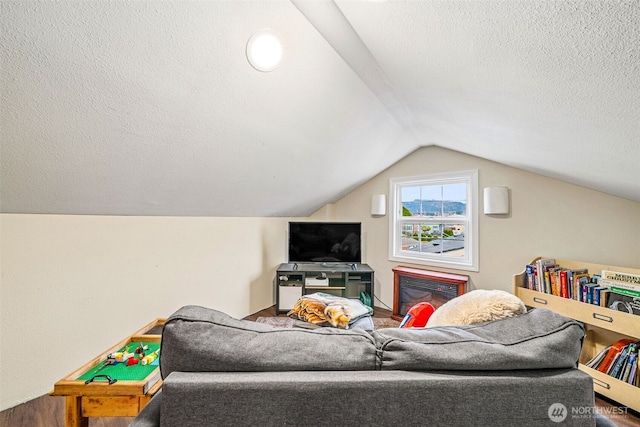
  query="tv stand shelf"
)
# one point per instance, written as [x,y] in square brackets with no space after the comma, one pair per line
[346,280]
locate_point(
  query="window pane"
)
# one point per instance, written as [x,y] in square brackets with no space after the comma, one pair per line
[454,197]
[434,239]
[455,192]
[410,197]
[434,200]
[432,207]
[453,241]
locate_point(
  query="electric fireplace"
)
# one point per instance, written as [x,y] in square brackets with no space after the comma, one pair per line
[414,285]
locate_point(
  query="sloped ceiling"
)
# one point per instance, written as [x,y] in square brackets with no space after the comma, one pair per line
[151,108]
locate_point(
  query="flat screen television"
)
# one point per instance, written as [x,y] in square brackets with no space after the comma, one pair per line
[319,242]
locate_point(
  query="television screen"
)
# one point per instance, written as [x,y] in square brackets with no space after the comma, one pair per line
[324,242]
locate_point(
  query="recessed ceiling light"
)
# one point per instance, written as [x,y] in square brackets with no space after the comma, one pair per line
[265,49]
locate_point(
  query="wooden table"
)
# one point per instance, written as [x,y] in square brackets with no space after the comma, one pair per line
[124,398]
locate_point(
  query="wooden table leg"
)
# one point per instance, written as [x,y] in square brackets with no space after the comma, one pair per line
[143,401]
[73,412]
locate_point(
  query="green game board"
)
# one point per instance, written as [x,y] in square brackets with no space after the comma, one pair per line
[121,371]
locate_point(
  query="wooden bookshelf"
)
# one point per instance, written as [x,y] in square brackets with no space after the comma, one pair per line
[604,326]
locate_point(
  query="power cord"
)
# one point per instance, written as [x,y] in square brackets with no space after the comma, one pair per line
[385,305]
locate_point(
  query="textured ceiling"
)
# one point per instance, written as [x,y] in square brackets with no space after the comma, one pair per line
[151,108]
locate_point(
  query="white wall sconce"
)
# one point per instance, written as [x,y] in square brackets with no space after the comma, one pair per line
[265,50]
[378,205]
[496,200]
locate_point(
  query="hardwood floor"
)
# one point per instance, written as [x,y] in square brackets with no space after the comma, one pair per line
[48,411]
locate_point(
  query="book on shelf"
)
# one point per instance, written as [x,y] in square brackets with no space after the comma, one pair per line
[624,303]
[634,375]
[546,277]
[530,271]
[606,363]
[590,292]
[620,361]
[598,358]
[564,283]
[570,286]
[600,295]
[612,352]
[559,281]
[625,291]
[611,289]
[631,361]
[554,281]
[604,297]
[621,280]
[580,281]
[543,266]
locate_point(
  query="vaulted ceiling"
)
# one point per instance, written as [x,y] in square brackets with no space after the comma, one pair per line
[151,108]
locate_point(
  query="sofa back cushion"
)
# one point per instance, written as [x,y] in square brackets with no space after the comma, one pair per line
[198,339]
[539,339]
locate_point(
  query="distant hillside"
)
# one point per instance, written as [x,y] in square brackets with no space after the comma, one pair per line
[432,207]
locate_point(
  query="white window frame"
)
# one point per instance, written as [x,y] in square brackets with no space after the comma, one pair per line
[470,260]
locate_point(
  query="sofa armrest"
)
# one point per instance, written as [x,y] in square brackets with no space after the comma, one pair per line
[150,414]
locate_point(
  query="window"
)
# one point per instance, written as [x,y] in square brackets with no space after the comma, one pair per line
[434,220]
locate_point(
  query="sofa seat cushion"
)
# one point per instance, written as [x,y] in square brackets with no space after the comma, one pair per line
[198,339]
[539,339]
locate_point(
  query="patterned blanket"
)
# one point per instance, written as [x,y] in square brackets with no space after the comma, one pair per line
[321,308]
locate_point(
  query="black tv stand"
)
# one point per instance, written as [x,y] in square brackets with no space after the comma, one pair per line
[348,280]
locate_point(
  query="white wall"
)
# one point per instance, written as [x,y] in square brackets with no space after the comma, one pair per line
[548,218]
[72,286]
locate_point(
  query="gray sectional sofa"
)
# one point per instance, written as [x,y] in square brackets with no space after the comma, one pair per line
[221,371]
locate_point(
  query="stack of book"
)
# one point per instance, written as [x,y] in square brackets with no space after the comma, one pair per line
[624,291]
[620,361]
[616,290]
